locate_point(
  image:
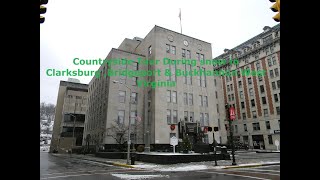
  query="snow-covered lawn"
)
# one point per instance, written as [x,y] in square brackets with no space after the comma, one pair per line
[138,176]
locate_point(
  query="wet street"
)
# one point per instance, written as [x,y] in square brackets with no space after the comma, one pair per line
[67,168]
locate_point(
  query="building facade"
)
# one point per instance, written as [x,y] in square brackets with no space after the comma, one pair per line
[256,98]
[157,113]
[69,116]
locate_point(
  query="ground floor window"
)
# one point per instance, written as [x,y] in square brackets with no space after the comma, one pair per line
[270,139]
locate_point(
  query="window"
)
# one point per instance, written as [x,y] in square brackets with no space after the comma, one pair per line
[174,96]
[276,97]
[242,105]
[198,56]
[261,88]
[278,110]
[191,116]
[268,125]
[273,85]
[236,128]
[123,79]
[231,87]
[188,79]
[232,97]
[258,66]
[168,96]
[122,96]
[264,100]
[205,101]
[241,94]
[238,74]
[229,97]
[270,139]
[251,91]
[276,72]
[260,78]
[269,62]
[185,114]
[173,49]
[120,116]
[217,108]
[134,98]
[253,103]
[256,126]
[188,54]
[185,98]
[249,81]
[135,66]
[167,48]
[201,119]
[274,61]
[150,50]
[265,113]
[228,88]
[168,116]
[183,53]
[200,100]
[70,96]
[190,99]
[254,114]
[133,116]
[245,127]
[240,84]
[278,84]
[175,116]
[201,57]
[244,117]
[271,74]
[134,81]
[203,78]
[279,123]
[216,95]
[206,119]
[78,97]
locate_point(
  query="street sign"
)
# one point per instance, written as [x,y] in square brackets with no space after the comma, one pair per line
[174,142]
[232,113]
[277,131]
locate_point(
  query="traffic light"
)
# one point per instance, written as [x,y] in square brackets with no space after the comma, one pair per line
[43,9]
[276,8]
[209,129]
[216,129]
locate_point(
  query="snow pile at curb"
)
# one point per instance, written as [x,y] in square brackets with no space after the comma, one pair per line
[139,176]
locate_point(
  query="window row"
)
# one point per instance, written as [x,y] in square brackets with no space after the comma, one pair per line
[121,117]
[133,97]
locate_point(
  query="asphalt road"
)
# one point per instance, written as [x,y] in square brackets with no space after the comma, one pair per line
[66,168]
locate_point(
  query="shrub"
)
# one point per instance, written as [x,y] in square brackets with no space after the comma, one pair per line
[140,148]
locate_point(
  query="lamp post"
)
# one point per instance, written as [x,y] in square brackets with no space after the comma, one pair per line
[231,133]
[129,128]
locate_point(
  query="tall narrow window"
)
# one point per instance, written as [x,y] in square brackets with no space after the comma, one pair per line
[185,98]
[175,116]
[168,96]
[168,116]
[150,50]
[174,96]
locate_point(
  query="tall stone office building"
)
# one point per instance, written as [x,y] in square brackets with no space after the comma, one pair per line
[162,111]
[256,99]
[69,116]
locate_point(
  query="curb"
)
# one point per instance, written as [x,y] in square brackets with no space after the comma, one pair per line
[266,152]
[110,163]
[246,166]
[122,165]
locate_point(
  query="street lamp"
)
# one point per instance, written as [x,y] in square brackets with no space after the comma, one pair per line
[231,133]
[74,122]
[129,128]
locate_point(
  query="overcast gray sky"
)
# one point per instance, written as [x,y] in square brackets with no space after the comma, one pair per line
[88,29]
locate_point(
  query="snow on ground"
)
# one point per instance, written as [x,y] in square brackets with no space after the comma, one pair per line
[170,153]
[138,176]
[44,148]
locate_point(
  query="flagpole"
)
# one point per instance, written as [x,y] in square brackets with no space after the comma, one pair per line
[180,20]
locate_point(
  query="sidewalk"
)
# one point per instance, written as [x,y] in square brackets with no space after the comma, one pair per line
[222,164]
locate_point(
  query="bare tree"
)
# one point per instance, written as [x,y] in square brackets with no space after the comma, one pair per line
[119,132]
